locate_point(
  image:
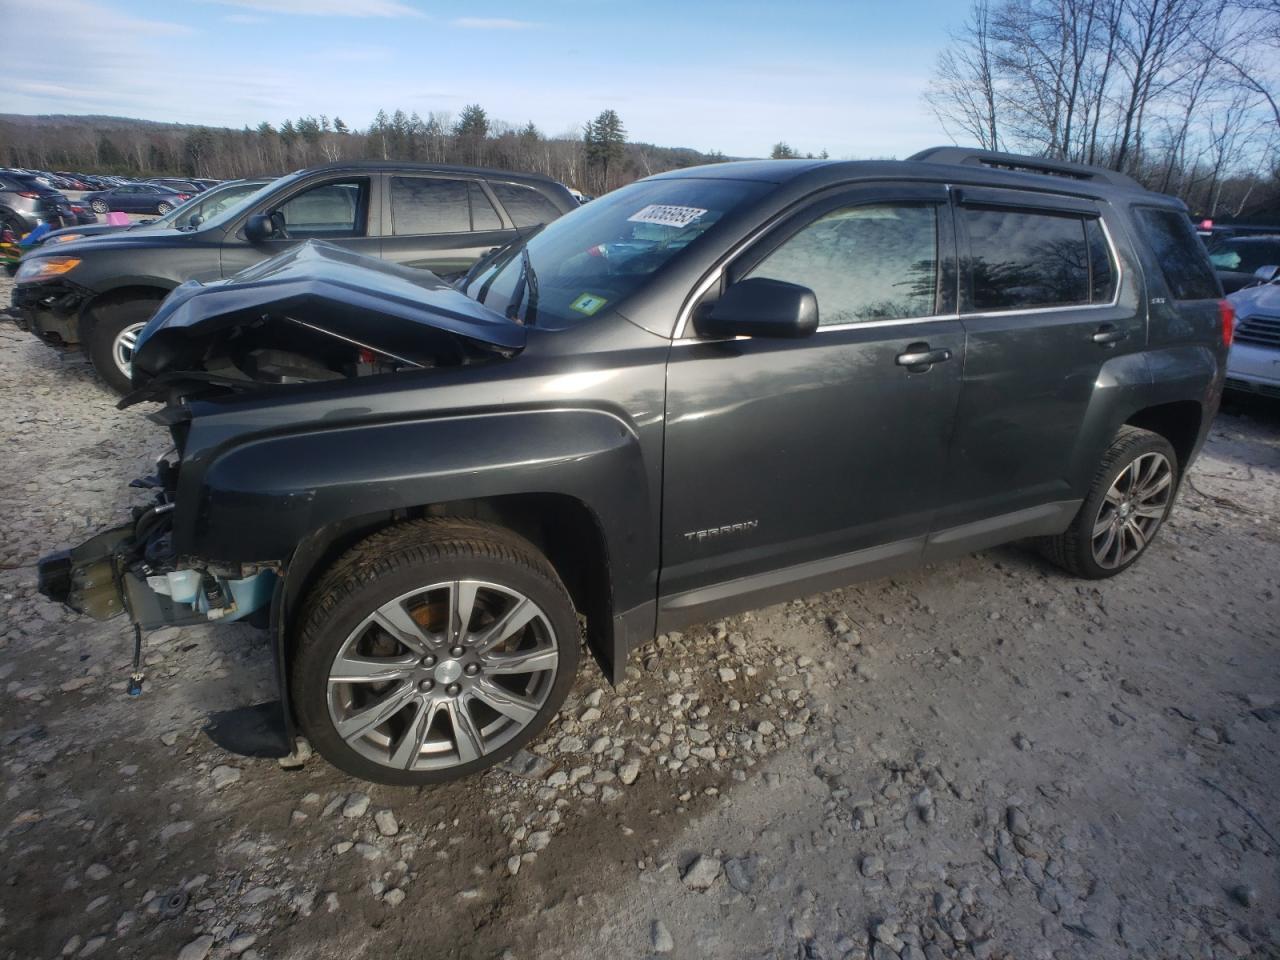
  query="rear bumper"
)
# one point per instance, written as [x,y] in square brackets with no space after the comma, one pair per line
[50,310]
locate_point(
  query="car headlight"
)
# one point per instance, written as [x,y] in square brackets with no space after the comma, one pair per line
[44,268]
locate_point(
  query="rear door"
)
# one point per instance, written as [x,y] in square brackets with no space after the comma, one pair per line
[1040,299]
[438,223]
[339,209]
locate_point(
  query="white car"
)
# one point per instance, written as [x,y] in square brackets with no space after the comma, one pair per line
[1254,363]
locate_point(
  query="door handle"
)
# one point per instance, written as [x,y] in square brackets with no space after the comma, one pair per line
[1108,335]
[918,357]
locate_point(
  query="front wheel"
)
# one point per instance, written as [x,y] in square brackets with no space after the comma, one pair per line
[113,331]
[1131,496]
[431,651]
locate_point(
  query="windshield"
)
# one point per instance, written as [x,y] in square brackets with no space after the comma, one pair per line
[599,254]
[1246,256]
[208,205]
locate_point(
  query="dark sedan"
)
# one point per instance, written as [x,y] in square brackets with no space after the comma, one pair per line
[1236,260]
[136,198]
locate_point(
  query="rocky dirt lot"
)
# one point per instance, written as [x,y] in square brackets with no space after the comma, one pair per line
[985,759]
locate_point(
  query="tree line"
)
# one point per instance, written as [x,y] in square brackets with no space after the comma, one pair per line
[595,159]
[1180,94]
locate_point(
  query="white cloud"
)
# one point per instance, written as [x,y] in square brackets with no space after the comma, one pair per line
[492,23]
[328,8]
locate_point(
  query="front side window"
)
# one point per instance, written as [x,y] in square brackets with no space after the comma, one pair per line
[1023,260]
[327,211]
[863,263]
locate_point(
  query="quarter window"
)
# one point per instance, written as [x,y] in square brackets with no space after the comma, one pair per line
[526,206]
[863,263]
[1180,253]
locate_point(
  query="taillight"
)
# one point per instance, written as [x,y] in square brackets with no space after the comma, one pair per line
[1227,312]
[29,194]
[184,196]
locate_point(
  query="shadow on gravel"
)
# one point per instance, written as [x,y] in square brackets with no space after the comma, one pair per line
[257,730]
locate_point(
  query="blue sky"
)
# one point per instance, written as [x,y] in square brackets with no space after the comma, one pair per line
[736,77]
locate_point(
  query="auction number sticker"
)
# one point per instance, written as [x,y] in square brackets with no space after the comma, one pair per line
[667,215]
[588,303]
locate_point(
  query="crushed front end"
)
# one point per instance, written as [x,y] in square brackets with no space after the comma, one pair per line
[133,569]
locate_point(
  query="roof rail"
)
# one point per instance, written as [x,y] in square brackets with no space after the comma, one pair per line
[1022,164]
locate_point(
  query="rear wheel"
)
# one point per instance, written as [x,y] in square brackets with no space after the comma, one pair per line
[100,206]
[112,332]
[432,651]
[1128,503]
[162,208]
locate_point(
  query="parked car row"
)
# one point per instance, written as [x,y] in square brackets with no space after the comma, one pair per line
[98,292]
[26,203]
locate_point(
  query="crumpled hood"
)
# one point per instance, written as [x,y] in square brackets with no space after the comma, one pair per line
[395,310]
[1263,298]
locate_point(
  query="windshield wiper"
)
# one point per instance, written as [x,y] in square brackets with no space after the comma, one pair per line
[526,284]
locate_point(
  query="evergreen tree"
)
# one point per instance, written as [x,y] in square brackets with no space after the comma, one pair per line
[782,151]
[604,139]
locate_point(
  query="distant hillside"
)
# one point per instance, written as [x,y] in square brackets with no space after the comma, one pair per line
[124,145]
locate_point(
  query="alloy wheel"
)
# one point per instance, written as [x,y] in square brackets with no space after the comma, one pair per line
[99,206]
[122,348]
[1132,510]
[443,675]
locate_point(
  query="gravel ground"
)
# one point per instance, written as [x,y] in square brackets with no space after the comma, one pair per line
[984,759]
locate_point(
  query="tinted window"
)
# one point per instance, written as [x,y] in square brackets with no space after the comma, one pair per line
[1102,272]
[863,263]
[1180,254]
[483,216]
[525,206]
[326,211]
[428,205]
[1245,256]
[1020,260]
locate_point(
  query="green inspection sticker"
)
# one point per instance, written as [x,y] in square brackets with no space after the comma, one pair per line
[588,303]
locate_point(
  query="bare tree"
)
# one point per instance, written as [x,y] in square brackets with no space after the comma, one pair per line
[963,93]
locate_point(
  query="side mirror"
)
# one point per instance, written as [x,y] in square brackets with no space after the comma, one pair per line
[760,307]
[258,228]
[1268,273]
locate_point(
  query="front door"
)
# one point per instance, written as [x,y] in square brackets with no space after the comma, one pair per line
[793,464]
[1045,304]
[337,211]
[441,224]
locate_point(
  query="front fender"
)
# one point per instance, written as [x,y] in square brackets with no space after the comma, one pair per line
[257,500]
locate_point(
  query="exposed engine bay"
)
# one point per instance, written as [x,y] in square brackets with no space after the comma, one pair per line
[315,313]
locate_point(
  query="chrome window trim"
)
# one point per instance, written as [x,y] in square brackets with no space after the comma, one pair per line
[717,273]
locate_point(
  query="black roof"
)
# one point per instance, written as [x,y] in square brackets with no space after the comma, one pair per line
[959,164]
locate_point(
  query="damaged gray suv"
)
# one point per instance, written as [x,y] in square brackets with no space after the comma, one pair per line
[710,390]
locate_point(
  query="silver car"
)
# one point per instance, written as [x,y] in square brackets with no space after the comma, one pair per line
[1254,363]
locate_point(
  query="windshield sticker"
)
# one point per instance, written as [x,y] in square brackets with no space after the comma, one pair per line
[667,215]
[588,303]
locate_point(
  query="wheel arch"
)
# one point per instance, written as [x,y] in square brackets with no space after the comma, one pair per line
[156,289]
[1179,422]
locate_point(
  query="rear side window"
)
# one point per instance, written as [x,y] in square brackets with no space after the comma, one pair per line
[1023,260]
[1181,256]
[526,206]
[429,205]
[863,263]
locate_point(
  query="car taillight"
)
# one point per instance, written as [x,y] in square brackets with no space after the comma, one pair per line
[184,196]
[29,194]
[1227,311]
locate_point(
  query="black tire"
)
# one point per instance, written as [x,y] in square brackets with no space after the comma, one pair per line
[1074,550]
[389,565]
[105,325]
[100,206]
